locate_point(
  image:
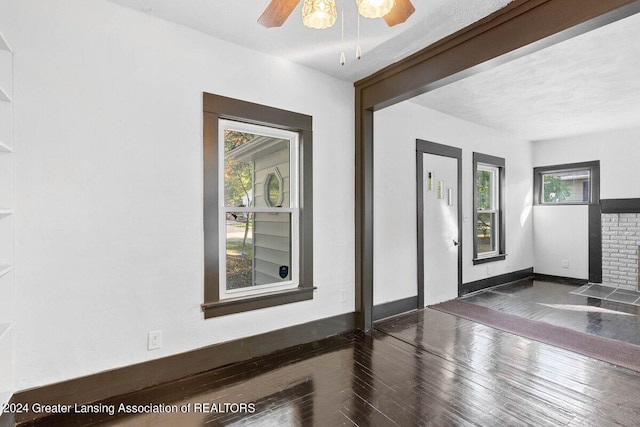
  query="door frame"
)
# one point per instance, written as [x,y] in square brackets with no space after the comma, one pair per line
[520,28]
[428,147]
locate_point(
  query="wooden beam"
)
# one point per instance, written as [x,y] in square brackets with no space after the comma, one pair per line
[521,28]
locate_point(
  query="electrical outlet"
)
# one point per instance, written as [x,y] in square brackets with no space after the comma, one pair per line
[565,263]
[154,341]
[343,295]
[489,270]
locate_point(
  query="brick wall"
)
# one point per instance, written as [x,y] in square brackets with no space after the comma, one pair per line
[620,240]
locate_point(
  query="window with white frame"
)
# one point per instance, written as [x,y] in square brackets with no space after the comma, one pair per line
[258,206]
[489,231]
[258,209]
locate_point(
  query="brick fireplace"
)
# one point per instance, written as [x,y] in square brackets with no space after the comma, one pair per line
[620,242]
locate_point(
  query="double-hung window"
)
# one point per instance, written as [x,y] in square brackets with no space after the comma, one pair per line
[258,209]
[258,214]
[489,229]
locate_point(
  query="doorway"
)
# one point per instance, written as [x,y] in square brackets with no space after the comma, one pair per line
[485,44]
[439,193]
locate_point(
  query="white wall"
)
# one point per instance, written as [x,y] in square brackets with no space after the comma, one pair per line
[618,152]
[395,242]
[562,232]
[108,181]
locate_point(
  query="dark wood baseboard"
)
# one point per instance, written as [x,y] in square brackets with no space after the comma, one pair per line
[388,309]
[103,385]
[559,279]
[496,280]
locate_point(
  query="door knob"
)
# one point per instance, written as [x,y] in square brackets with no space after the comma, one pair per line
[455,242]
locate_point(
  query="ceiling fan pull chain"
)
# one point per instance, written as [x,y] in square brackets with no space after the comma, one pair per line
[358,49]
[343,58]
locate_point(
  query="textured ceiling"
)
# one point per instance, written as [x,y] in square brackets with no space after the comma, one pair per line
[584,85]
[235,21]
[587,84]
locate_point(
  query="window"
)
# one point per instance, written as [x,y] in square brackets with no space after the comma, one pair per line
[489,216]
[258,225]
[487,232]
[570,184]
[257,211]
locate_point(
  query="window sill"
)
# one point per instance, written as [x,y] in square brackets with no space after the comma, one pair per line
[255,302]
[499,257]
[564,204]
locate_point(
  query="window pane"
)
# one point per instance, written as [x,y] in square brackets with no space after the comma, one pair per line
[485,233]
[272,247]
[485,187]
[239,248]
[258,247]
[238,174]
[566,187]
[250,159]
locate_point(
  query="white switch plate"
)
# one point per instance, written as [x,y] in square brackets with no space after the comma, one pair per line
[155,340]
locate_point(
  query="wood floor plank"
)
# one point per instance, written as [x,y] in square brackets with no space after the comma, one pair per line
[543,375]
[423,368]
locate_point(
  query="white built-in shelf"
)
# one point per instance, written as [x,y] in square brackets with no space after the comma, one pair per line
[4,328]
[3,96]
[4,269]
[6,346]
[4,148]
[4,45]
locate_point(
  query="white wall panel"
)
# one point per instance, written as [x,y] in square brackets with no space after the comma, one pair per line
[561,241]
[618,153]
[109,236]
[395,242]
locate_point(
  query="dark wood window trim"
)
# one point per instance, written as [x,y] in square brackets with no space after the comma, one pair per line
[520,28]
[595,217]
[594,181]
[217,107]
[499,163]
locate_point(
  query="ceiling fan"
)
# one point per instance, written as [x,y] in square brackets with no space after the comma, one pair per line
[278,11]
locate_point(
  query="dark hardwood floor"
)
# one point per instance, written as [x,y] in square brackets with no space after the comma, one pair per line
[553,303]
[419,369]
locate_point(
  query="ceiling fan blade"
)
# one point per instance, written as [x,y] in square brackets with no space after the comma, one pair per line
[402,10]
[277,12]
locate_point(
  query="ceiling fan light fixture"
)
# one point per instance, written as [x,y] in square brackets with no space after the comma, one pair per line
[319,14]
[375,8]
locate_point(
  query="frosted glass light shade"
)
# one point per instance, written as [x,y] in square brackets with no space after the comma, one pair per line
[319,14]
[375,8]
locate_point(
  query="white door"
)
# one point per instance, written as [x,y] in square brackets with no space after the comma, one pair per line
[440,227]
